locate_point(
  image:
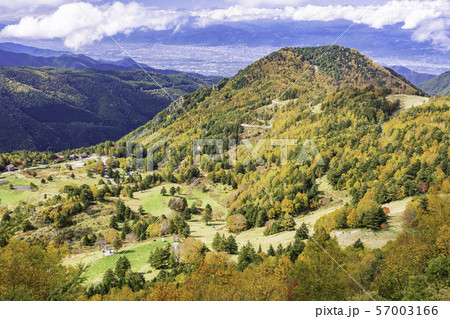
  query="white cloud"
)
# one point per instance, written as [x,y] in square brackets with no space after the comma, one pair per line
[429,20]
[85,23]
[14,4]
[267,3]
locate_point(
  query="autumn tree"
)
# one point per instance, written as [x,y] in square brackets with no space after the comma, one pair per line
[190,250]
[236,223]
[34,273]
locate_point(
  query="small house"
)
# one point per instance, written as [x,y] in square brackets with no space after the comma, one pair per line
[108,252]
[10,168]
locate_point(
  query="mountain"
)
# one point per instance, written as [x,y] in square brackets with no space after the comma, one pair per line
[19,48]
[55,109]
[12,54]
[320,70]
[73,61]
[438,85]
[413,77]
[334,102]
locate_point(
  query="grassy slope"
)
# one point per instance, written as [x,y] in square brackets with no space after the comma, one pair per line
[137,254]
[379,238]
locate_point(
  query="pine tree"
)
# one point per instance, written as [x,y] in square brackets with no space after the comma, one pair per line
[172,191]
[295,250]
[117,243]
[217,243]
[231,245]
[280,250]
[109,280]
[271,251]
[247,255]
[125,230]
[172,229]
[162,258]
[302,232]
[207,214]
[358,244]
[113,223]
[163,191]
[122,266]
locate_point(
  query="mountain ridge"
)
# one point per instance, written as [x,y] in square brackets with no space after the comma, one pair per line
[55,109]
[438,85]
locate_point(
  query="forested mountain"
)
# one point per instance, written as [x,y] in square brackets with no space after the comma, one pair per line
[412,76]
[56,109]
[438,85]
[342,101]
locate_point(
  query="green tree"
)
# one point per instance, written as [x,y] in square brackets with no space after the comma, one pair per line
[162,258]
[27,225]
[247,255]
[217,243]
[172,191]
[271,251]
[109,280]
[302,232]
[117,243]
[207,214]
[163,191]
[122,266]
[358,244]
[126,229]
[231,246]
[113,222]
[135,280]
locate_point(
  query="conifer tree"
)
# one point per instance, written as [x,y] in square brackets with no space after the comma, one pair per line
[271,251]
[302,232]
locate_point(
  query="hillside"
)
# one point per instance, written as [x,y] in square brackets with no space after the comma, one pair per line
[249,93]
[438,85]
[412,76]
[370,189]
[56,109]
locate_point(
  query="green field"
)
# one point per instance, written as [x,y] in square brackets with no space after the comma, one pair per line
[137,255]
[156,204]
[10,197]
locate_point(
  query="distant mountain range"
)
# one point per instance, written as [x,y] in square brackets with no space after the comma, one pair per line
[55,109]
[12,54]
[19,48]
[437,85]
[412,76]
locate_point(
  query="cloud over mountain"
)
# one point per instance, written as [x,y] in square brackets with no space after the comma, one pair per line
[84,23]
